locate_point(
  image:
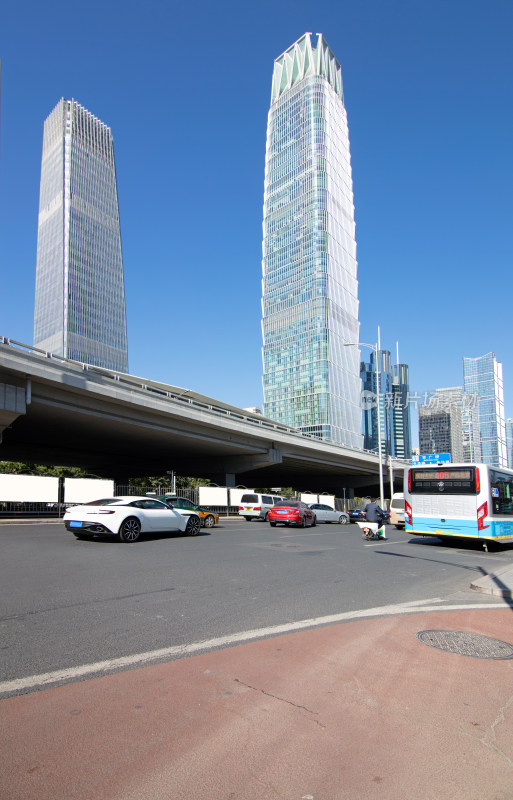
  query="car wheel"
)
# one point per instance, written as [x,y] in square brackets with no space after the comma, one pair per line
[193,526]
[343,520]
[248,519]
[130,530]
[314,521]
[266,516]
[303,523]
[272,524]
[209,521]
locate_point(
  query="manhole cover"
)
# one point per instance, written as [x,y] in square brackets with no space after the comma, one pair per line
[466,644]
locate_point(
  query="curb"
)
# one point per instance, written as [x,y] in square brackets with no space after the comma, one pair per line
[498,583]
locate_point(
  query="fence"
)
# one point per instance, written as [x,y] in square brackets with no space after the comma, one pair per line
[194,495]
[50,496]
[25,496]
[157,491]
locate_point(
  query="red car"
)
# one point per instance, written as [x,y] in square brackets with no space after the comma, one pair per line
[291,512]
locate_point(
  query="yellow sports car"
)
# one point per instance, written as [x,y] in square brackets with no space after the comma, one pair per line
[208,518]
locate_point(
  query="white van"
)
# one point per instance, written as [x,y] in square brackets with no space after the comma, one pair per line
[397,510]
[256,506]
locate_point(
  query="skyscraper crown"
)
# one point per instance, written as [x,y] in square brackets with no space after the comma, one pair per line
[302,59]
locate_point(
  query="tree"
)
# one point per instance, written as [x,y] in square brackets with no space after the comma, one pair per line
[157,481]
[285,491]
[21,468]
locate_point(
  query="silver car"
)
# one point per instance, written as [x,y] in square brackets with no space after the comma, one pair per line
[326,513]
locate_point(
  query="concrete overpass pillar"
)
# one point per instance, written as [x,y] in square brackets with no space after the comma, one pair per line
[12,404]
[225,479]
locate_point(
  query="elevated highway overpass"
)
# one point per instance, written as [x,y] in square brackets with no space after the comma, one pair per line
[56,411]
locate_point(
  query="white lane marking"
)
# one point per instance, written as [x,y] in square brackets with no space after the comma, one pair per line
[385,541]
[72,673]
[320,533]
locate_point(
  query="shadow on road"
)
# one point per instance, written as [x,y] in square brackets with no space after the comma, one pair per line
[457,543]
[495,578]
[144,537]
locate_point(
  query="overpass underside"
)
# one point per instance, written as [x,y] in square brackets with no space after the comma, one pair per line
[63,413]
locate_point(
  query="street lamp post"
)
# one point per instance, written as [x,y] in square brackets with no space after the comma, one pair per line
[376,348]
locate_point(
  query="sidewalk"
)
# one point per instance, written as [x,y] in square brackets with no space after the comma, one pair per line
[498,583]
[354,711]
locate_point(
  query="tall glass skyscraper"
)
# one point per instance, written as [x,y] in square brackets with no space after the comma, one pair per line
[482,377]
[309,287]
[80,292]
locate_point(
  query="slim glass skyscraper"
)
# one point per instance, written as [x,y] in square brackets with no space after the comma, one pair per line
[401,439]
[482,376]
[80,292]
[309,287]
[394,407]
[371,437]
[509,442]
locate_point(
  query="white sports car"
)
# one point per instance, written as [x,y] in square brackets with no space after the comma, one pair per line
[128,517]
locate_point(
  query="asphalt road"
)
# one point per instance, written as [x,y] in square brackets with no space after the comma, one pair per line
[65,602]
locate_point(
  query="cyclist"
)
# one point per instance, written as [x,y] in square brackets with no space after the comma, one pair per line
[374,516]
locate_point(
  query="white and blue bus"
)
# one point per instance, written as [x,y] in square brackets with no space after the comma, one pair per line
[471,501]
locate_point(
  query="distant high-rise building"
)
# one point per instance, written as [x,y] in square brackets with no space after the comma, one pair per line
[450,425]
[310,288]
[482,376]
[470,429]
[401,438]
[80,293]
[440,426]
[509,442]
[394,408]
[369,402]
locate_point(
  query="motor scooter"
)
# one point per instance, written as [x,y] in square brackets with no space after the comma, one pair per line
[372,530]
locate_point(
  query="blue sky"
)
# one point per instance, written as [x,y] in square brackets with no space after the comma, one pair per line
[185,88]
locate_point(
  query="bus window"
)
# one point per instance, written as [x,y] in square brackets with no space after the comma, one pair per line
[501,490]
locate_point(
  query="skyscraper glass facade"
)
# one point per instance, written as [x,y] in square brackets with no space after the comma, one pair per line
[370,405]
[80,294]
[394,408]
[482,376]
[509,442]
[448,423]
[309,287]
[439,432]
[440,424]
[401,439]
[470,427]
